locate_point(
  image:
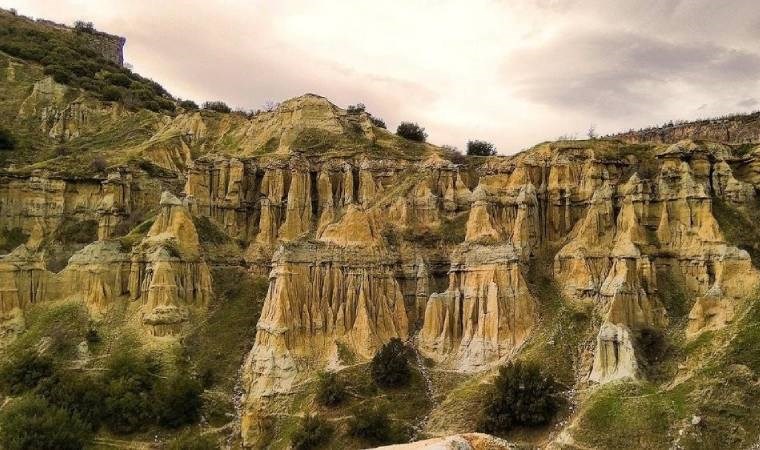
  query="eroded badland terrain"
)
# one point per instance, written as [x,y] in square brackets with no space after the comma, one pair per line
[253,253]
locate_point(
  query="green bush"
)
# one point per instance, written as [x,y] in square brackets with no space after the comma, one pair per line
[372,424]
[7,141]
[378,122]
[390,367]
[356,109]
[480,148]
[60,74]
[411,131]
[98,164]
[77,393]
[313,432]
[23,372]
[111,94]
[118,79]
[331,391]
[188,104]
[522,396]
[11,238]
[177,401]
[128,384]
[78,232]
[31,423]
[217,106]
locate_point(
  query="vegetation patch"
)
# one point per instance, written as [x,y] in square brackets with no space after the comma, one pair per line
[739,227]
[390,365]
[625,415]
[10,238]
[217,346]
[521,396]
[74,231]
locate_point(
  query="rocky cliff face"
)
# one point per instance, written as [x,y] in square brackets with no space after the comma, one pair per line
[366,237]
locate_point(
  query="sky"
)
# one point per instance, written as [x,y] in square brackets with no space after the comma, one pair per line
[514,73]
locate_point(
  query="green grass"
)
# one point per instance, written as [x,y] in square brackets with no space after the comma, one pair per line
[557,344]
[739,227]
[632,415]
[217,346]
[61,326]
[137,234]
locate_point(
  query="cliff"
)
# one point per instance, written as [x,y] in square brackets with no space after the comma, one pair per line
[616,264]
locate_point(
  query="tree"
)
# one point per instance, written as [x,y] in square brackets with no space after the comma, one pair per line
[7,141]
[331,390]
[178,401]
[372,424]
[99,164]
[480,148]
[112,94]
[411,131]
[591,133]
[128,384]
[378,122]
[31,423]
[84,27]
[188,104]
[312,433]
[521,396]
[77,393]
[356,109]
[23,372]
[217,106]
[270,105]
[389,366]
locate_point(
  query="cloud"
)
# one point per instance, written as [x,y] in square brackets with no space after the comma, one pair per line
[625,73]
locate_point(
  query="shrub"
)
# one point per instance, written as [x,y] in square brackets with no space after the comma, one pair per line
[378,122]
[118,79]
[128,384]
[313,432]
[77,393]
[522,396]
[651,345]
[411,131]
[60,74]
[188,104]
[25,371]
[189,440]
[177,401]
[78,232]
[85,27]
[371,424]
[356,109]
[7,141]
[112,94]
[331,390]
[389,366]
[453,154]
[217,106]
[11,238]
[99,164]
[480,148]
[31,423]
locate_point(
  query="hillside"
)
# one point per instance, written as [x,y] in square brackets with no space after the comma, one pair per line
[173,275]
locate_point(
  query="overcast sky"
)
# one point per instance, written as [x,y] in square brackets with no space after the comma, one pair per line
[511,72]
